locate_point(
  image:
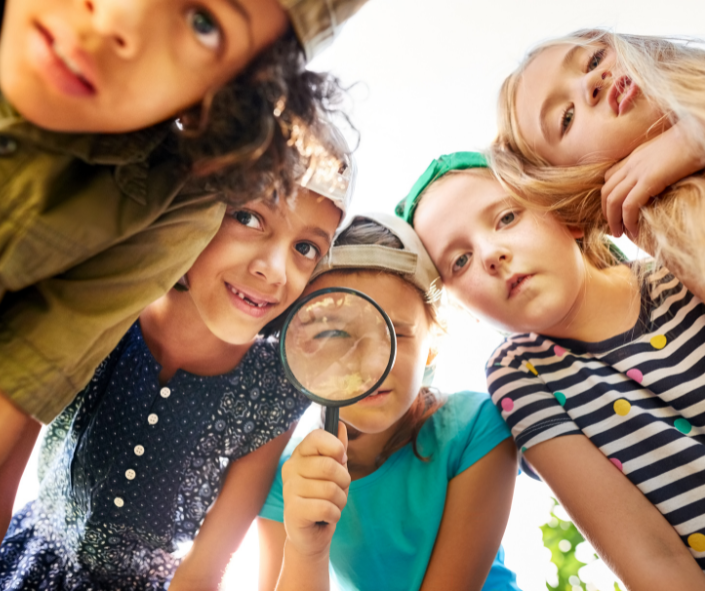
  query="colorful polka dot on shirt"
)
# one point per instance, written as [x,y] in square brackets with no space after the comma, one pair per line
[659,341]
[507,404]
[635,375]
[683,426]
[697,542]
[558,350]
[560,397]
[622,407]
[531,368]
[617,463]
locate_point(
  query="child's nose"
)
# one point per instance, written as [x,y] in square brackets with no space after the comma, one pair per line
[120,22]
[495,257]
[594,85]
[271,265]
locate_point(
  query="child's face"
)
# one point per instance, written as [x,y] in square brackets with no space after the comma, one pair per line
[520,270]
[403,304]
[573,106]
[121,65]
[259,262]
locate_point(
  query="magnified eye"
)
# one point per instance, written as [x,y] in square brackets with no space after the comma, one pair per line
[332,333]
[205,27]
[308,250]
[247,218]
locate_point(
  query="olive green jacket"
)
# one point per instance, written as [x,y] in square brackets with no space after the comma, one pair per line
[93,228]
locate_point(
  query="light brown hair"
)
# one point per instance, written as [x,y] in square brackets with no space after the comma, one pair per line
[671,74]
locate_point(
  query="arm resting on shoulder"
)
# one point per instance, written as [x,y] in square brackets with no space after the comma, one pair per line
[475,515]
[244,491]
[627,531]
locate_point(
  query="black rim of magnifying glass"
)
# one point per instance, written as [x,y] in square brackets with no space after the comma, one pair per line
[299,386]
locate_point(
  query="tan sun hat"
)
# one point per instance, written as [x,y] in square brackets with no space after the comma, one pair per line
[318,22]
[412,262]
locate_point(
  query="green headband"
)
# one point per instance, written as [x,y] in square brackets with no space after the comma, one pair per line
[406,208]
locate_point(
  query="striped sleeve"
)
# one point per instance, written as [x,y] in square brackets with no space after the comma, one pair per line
[533,413]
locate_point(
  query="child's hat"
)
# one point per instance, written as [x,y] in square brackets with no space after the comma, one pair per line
[318,22]
[411,262]
[406,208]
[331,168]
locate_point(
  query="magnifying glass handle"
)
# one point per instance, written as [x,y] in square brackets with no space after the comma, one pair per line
[331,421]
[331,425]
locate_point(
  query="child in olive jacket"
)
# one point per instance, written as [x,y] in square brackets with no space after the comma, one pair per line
[125,127]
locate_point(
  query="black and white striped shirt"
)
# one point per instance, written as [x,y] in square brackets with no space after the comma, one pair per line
[638,396]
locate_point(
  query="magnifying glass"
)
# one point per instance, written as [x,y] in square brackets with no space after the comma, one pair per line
[337,346]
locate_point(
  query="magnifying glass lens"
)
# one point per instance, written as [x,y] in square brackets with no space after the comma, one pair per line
[338,345]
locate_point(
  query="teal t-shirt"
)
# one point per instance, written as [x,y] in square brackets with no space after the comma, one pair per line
[387,530]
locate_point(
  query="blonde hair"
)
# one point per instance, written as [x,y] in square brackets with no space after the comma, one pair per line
[671,75]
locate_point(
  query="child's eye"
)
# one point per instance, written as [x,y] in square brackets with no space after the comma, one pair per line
[507,218]
[460,262]
[308,250]
[247,218]
[567,119]
[595,59]
[205,27]
[332,333]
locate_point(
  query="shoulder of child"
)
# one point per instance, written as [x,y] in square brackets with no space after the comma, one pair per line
[464,416]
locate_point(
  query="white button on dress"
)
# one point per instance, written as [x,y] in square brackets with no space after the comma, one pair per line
[139,450]
[130,474]
[165,392]
[118,502]
[153,419]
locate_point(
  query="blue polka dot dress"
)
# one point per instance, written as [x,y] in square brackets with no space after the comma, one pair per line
[130,468]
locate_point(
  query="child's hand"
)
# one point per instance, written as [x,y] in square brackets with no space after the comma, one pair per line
[645,173]
[316,483]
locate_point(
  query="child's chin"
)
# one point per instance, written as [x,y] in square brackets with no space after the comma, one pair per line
[236,335]
[368,425]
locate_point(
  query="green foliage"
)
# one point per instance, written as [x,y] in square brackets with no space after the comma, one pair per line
[561,538]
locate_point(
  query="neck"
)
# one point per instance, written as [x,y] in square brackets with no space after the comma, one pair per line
[178,339]
[608,305]
[364,450]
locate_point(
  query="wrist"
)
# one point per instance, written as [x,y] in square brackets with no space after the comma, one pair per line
[311,556]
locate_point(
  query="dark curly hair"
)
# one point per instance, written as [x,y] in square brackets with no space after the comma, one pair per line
[237,142]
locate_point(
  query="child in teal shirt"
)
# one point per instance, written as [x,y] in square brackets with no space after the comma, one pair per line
[419,497]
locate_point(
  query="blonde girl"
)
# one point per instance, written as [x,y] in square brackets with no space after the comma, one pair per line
[416,492]
[598,123]
[601,380]
[151,476]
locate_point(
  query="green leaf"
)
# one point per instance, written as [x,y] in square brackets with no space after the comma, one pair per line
[561,538]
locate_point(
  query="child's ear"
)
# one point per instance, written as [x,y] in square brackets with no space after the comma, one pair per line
[576,232]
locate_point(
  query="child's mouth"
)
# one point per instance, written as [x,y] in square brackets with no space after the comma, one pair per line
[622,94]
[63,69]
[515,283]
[248,300]
[377,396]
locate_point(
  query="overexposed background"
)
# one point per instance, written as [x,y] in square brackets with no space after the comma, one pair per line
[429,72]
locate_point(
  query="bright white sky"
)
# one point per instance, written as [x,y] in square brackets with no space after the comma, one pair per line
[429,73]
